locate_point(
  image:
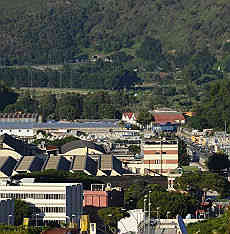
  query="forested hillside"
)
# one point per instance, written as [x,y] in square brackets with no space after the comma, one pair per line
[54,31]
[180,48]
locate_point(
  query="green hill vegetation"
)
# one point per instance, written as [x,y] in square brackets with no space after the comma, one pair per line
[218,225]
[172,49]
[49,31]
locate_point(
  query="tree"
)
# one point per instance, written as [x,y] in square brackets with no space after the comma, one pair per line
[24,103]
[144,118]
[198,183]
[172,202]
[125,79]
[226,63]
[7,96]
[182,155]
[150,49]
[111,216]
[22,210]
[218,162]
[203,61]
[134,149]
[47,106]
[218,225]
[132,195]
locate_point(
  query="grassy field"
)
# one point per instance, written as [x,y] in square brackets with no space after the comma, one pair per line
[39,92]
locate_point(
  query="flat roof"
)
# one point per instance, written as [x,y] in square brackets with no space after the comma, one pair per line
[167,142]
[55,125]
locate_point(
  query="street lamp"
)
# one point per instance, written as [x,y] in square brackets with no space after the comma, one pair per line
[167,214]
[149,213]
[67,220]
[36,219]
[9,216]
[73,218]
[158,208]
[112,229]
[145,200]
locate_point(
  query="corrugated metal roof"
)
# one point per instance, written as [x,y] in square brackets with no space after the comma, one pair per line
[106,162]
[30,163]
[79,163]
[109,163]
[19,146]
[81,144]
[55,125]
[7,165]
[3,160]
[52,163]
[83,162]
[57,163]
[25,163]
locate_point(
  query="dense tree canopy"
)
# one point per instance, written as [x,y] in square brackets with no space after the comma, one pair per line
[184,158]
[108,27]
[197,183]
[218,162]
[7,96]
[22,210]
[172,202]
[212,111]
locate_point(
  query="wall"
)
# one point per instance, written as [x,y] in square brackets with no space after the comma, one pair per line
[95,198]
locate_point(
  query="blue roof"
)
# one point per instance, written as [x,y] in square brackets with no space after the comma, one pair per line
[54,125]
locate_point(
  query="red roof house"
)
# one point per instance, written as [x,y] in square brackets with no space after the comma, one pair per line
[168,117]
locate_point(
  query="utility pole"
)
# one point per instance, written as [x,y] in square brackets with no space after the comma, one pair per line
[161,154]
[60,85]
[31,78]
[71,78]
[144,212]
[149,213]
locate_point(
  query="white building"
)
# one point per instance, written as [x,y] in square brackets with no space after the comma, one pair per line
[19,132]
[131,223]
[129,117]
[57,202]
[160,156]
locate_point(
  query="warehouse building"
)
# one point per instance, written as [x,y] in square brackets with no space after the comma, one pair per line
[50,202]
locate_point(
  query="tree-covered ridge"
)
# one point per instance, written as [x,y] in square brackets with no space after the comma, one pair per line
[213,112]
[55,31]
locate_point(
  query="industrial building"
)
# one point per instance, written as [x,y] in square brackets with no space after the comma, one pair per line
[56,202]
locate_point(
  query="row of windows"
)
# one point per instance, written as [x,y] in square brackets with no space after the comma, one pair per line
[48,209]
[12,130]
[32,196]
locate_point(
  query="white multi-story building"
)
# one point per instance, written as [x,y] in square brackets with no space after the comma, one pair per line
[160,156]
[56,202]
